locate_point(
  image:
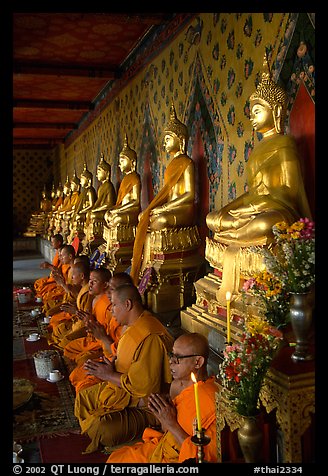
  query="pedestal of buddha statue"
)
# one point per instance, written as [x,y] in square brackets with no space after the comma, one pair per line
[240,229]
[106,198]
[121,219]
[167,238]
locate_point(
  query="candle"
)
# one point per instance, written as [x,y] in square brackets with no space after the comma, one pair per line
[228,297]
[199,420]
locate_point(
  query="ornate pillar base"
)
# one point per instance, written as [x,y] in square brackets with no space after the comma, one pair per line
[232,266]
[174,257]
[290,389]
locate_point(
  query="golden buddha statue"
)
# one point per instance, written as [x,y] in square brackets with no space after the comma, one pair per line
[86,201]
[241,229]
[58,200]
[275,183]
[45,204]
[275,193]
[106,197]
[67,214]
[38,218]
[167,226]
[122,218]
[127,207]
[65,204]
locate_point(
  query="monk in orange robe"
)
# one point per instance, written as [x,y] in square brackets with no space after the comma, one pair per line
[59,329]
[56,292]
[139,368]
[176,413]
[106,333]
[98,282]
[57,243]
[79,276]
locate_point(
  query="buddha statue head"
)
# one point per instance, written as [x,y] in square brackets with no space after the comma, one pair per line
[269,95]
[103,169]
[53,191]
[86,177]
[67,186]
[59,191]
[176,128]
[75,182]
[44,193]
[130,154]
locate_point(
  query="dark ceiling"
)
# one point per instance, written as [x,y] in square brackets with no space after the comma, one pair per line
[61,64]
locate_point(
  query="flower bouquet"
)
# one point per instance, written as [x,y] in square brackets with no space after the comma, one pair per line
[272,297]
[292,259]
[245,365]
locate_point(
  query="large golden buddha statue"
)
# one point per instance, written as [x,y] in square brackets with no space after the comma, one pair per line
[106,197]
[67,216]
[241,229]
[167,226]
[122,218]
[275,184]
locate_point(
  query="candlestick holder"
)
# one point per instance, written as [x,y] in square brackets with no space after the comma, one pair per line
[201,440]
[228,343]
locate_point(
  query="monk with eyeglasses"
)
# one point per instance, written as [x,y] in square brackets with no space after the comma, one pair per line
[175,413]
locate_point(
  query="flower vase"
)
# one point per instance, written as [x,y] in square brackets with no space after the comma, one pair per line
[250,437]
[301,321]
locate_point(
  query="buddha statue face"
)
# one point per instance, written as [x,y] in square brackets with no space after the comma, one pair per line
[74,186]
[84,181]
[102,173]
[261,116]
[171,143]
[125,164]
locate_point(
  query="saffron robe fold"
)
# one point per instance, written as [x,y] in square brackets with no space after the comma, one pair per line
[41,282]
[79,377]
[83,302]
[127,184]
[56,292]
[172,174]
[77,347]
[161,447]
[142,359]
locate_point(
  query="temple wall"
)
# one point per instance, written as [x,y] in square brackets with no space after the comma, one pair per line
[209,69]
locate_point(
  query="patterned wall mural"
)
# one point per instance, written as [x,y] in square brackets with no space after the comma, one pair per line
[32,170]
[209,71]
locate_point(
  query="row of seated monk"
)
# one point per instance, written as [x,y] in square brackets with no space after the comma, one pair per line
[274,178]
[133,381]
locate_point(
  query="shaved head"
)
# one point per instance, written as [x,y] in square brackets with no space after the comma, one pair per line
[193,343]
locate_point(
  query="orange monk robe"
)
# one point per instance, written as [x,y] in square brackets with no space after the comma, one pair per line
[172,174]
[41,282]
[79,377]
[55,291]
[142,360]
[83,302]
[159,447]
[78,347]
[59,294]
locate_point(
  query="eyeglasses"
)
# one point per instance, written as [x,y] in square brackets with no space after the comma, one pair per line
[175,359]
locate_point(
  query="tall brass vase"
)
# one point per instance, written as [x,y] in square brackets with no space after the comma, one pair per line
[250,437]
[301,321]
